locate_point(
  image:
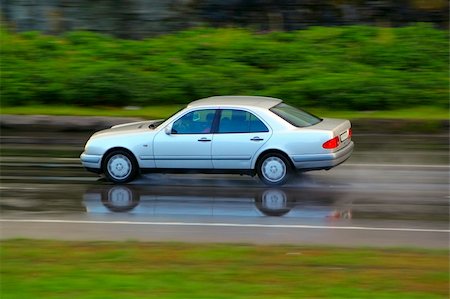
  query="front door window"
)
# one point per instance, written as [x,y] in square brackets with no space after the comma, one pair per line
[195,122]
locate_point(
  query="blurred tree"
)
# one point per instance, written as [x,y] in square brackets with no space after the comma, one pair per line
[136,19]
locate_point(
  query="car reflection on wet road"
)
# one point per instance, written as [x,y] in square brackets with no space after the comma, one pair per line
[195,201]
[383,202]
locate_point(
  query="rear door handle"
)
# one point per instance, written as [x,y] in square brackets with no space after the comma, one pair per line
[204,139]
[256,138]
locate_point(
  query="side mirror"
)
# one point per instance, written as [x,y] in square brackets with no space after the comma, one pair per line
[168,129]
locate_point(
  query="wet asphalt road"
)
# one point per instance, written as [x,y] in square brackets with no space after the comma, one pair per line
[395,194]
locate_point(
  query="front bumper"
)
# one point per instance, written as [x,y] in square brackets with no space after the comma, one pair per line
[323,161]
[91,161]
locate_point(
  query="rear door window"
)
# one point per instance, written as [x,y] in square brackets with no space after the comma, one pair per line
[239,121]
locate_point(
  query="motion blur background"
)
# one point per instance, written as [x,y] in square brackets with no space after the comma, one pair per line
[383,64]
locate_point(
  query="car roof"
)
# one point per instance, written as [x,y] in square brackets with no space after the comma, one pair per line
[237,101]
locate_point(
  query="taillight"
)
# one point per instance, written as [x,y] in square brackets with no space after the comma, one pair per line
[332,143]
[350,133]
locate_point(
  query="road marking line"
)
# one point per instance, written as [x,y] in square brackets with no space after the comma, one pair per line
[253,225]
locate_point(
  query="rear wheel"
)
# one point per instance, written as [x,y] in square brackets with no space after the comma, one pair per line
[120,167]
[274,169]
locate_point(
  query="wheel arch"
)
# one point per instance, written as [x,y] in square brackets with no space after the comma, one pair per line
[275,151]
[119,148]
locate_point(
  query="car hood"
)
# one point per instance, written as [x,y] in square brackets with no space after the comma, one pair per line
[135,125]
[128,127]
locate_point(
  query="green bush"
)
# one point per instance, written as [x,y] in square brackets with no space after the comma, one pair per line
[350,67]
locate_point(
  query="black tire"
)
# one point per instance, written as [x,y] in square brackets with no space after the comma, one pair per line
[274,169]
[120,166]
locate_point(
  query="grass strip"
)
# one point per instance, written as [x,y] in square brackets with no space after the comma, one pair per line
[59,269]
[164,111]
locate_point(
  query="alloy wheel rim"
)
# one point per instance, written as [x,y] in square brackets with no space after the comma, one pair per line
[119,167]
[273,169]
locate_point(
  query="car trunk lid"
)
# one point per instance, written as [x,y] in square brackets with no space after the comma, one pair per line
[340,129]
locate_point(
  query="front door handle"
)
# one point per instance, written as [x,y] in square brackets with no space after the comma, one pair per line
[204,139]
[256,138]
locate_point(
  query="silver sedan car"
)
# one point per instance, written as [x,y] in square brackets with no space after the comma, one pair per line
[223,134]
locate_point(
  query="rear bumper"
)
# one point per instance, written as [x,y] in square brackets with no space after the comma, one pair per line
[323,161]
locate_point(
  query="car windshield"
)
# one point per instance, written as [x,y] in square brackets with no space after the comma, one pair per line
[157,123]
[294,116]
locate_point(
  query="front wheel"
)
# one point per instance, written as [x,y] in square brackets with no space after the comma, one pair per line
[274,169]
[120,167]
